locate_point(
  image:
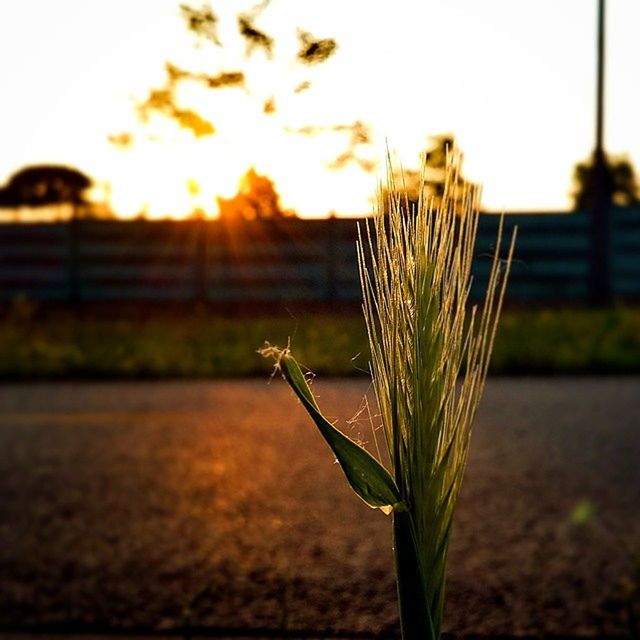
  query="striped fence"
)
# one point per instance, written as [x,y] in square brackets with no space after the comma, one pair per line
[285,260]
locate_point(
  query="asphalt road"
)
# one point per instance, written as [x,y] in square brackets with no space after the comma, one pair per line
[128,504]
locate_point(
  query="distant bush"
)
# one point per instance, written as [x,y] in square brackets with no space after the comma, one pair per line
[54,344]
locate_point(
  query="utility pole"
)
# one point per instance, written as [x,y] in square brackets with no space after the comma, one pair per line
[600,235]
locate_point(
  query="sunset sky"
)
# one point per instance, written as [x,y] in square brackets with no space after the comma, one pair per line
[514,81]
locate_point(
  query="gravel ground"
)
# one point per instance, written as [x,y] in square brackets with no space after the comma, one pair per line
[130,503]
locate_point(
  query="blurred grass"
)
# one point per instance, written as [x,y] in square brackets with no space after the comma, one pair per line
[546,341]
[58,344]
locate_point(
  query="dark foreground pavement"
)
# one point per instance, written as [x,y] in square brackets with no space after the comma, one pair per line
[217,503]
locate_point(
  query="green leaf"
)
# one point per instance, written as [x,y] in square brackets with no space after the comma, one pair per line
[367,477]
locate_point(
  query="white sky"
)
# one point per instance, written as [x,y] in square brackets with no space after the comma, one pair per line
[514,81]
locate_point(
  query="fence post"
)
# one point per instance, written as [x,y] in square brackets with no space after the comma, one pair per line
[331,254]
[600,240]
[73,262]
[201,260]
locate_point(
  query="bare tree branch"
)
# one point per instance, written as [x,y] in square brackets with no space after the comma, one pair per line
[203,22]
[314,51]
[254,37]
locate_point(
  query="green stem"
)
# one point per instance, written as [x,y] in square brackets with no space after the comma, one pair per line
[415,617]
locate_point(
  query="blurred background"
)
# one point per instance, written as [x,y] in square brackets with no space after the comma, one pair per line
[180,182]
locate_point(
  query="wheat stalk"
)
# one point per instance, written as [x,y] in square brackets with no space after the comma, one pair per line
[415,269]
[429,360]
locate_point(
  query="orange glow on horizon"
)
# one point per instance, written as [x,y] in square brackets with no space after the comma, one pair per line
[158,172]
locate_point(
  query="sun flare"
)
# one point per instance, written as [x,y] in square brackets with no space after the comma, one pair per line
[167,162]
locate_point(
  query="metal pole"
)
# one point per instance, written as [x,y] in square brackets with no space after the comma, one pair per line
[600,282]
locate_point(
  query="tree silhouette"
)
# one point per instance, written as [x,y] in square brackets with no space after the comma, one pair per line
[256,199]
[431,178]
[62,188]
[620,184]
[45,185]
[435,168]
